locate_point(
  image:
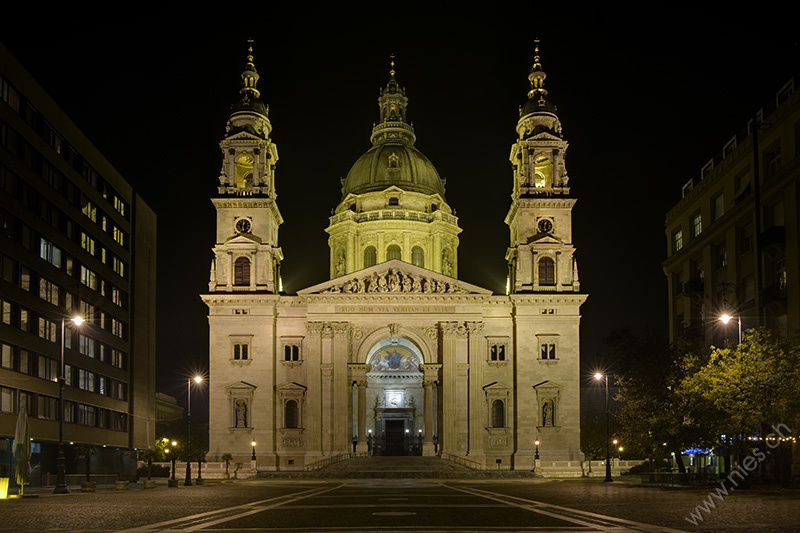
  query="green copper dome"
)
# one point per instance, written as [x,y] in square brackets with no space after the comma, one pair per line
[393,159]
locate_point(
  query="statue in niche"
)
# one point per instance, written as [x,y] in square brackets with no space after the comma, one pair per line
[340,263]
[393,281]
[241,413]
[547,413]
[447,263]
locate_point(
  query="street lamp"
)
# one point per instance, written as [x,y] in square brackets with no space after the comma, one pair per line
[536,455]
[197,379]
[598,376]
[253,444]
[172,481]
[727,318]
[61,466]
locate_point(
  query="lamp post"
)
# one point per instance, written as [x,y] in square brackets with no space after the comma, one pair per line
[197,379]
[61,467]
[727,318]
[172,481]
[253,444]
[599,376]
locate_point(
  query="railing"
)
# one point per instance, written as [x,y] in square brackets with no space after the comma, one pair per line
[463,461]
[316,465]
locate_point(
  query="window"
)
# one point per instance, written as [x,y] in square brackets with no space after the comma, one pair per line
[772,161]
[48,368]
[393,252]
[7,400]
[498,414]
[47,329]
[88,278]
[119,236]
[394,201]
[25,362]
[417,256]
[497,352]
[7,356]
[6,310]
[87,243]
[721,255]
[547,271]
[677,241]
[697,225]
[117,358]
[85,380]
[88,346]
[119,205]
[746,238]
[69,411]
[291,352]
[90,210]
[48,291]
[118,421]
[47,407]
[117,328]
[370,256]
[717,207]
[240,352]
[548,351]
[241,271]
[291,414]
[50,253]
[87,415]
[119,266]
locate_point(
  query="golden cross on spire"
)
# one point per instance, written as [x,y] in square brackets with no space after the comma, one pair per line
[536,58]
[391,72]
[250,51]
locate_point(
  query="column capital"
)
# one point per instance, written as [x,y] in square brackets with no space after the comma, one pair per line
[314,328]
[453,329]
[474,328]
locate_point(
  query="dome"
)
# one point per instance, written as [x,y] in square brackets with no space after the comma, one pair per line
[390,164]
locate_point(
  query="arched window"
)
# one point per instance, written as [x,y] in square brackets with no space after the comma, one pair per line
[370,256]
[241,271]
[393,252]
[547,271]
[291,414]
[417,256]
[498,414]
[544,172]
[244,171]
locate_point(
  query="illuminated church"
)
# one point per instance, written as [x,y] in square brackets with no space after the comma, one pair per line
[394,355]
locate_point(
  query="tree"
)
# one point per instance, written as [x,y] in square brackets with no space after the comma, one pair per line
[655,417]
[753,385]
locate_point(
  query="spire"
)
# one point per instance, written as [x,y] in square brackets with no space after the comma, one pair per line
[536,77]
[392,125]
[250,76]
[538,113]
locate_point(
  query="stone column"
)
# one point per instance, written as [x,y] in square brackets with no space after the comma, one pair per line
[453,434]
[429,380]
[326,381]
[476,417]
[358,374]
[342,440]
[314,413]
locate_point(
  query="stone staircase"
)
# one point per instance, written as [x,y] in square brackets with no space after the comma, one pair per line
[397,468]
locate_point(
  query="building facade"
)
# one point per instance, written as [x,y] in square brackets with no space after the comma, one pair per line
[394,354]
[76,240]
[732,240]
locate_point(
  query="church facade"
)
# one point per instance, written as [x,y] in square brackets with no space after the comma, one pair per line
[394,354]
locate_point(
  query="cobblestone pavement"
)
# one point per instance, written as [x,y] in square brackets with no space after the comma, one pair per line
[403,505]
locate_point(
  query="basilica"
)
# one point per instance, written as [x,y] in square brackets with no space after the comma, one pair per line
[394,355]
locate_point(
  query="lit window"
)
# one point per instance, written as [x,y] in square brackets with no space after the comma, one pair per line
[90,210]
[87,243]
[677,241]
[50,253]
[48,291]
[88,278]
[119,236]
[47,329]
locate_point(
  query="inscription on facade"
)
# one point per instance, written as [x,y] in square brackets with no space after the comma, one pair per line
[395,309]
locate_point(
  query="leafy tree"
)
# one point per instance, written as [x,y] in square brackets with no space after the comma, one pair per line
[752,385]
[655,417]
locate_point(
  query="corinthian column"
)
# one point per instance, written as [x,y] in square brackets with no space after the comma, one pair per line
[358,374]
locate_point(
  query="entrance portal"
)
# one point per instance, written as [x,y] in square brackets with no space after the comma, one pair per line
[395,438]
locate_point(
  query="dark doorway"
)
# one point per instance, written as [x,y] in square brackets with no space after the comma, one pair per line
[395,437]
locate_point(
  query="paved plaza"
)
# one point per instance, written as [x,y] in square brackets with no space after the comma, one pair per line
[384,504]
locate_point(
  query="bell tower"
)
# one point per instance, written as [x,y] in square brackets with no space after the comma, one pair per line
[540,254]
[246,254]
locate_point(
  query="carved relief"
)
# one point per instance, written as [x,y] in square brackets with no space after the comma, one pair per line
[394,329]
[396,281]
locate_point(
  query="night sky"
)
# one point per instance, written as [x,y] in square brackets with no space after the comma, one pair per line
[643,107]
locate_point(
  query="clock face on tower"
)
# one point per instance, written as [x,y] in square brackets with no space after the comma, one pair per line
[545,226]
[243,225]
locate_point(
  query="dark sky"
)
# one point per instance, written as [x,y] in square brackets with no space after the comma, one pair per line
[643,106]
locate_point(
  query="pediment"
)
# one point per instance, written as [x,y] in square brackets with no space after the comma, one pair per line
[241,386]
[291,386]
[545,238]
[244,135]
[243,238]
[496,386]
[394,277]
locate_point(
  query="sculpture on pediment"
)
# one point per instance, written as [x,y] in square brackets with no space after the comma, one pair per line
[373,282]
[408,283]
[357,285]
[416,285]
[393,281]
[382,285]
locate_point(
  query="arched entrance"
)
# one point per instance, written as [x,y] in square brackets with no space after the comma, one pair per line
[395,398]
